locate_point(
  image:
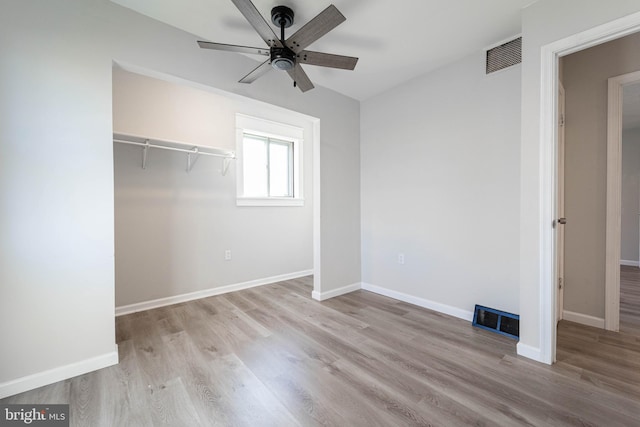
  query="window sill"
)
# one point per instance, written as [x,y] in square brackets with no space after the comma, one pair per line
[269,201]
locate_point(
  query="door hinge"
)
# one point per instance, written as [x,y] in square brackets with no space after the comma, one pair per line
[561,120]
[559,282]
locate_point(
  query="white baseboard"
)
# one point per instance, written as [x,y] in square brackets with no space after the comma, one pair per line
[529,352]
[61,373]
[161,302]
[421,302]
[583,319]
[322,296]
[629,263]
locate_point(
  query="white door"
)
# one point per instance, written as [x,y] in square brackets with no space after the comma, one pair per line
[560,209]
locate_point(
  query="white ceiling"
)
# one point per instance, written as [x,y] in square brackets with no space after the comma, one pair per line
[631,106]
[395,40]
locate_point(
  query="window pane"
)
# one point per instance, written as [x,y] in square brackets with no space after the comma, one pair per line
[254,153]
[279,169]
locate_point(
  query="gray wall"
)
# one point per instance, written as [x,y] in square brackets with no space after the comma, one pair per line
[630,195]
[544,22]
[56,172]
[173,227]
[440,184]
[585,82]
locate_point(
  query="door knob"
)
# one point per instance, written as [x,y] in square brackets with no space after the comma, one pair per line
[562,221]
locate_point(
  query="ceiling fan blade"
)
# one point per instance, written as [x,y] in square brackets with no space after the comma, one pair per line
[327,60]
[256,20]
[233,48]
[300,78]
[324,22]
[259,71]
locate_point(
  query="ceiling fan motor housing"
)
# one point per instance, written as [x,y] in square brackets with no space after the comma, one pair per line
[282,58]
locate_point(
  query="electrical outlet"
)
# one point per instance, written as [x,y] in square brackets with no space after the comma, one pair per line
[227,255]
[400,258]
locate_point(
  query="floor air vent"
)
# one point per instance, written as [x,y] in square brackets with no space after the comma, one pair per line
[497,321]
[505,55]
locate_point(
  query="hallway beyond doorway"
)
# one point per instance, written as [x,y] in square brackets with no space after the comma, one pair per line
[630,300]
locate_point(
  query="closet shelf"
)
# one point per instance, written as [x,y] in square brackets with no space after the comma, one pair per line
[192,151]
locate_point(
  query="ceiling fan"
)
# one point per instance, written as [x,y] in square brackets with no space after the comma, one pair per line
[288,54]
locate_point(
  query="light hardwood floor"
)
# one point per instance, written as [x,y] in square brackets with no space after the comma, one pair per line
[630,300]
[271,356]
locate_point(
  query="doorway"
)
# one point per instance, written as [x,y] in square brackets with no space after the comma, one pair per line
[549,82]
[622,207]
[592,181]
[629,284]
[595,130]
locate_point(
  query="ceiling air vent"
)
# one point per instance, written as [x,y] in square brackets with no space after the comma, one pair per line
[504,55]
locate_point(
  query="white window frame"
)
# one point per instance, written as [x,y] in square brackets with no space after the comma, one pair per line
[277,131]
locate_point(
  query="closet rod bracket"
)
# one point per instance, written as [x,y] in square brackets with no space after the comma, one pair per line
[145,150]
[190,163]
[225,165]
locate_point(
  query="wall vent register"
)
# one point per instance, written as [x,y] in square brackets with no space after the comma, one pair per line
[504,55]
[501,322]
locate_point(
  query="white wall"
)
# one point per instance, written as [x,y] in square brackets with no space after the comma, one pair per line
[585,82]
[56,174]
[630,231]
[56,193]
[544,22]
[173,227]
[440,184]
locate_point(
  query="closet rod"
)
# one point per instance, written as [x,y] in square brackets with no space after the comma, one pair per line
[182,150]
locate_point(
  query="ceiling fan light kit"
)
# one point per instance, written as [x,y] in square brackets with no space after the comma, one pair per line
[282,58]
[288,54]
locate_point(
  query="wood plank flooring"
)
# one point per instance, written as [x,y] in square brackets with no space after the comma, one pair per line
[630,300]
[272,356]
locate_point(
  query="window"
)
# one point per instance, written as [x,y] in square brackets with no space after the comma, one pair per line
[267,166]
[269,163]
